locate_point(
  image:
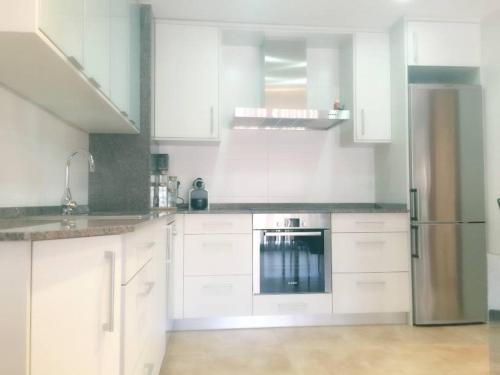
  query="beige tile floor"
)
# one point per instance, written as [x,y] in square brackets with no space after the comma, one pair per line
[374,350]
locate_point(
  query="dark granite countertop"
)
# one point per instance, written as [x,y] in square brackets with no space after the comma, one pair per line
[40,228]
[253,208]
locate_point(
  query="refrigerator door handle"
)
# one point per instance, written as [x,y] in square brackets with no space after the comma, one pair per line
[415,253]
[414,204]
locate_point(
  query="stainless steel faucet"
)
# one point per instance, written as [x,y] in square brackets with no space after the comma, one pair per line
[69,206]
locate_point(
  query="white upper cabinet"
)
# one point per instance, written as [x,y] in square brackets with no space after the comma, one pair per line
[134,72]
[73,58]
[444,44]
[96,43]
[187,82]
[372,88]
[63,22]
[120,54]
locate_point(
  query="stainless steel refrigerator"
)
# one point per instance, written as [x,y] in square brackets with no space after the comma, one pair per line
[447,205]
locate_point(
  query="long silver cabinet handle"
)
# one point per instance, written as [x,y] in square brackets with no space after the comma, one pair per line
[363,122]
[415,48]
[110,325]
[212,120]
[75,63]
[293,234]
[361,283]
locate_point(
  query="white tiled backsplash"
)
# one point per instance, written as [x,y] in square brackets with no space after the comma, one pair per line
[277,166]
[34,146]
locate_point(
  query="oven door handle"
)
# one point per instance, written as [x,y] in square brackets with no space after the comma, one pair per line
[293,234]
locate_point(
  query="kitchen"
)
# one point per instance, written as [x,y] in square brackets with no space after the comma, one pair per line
[235,187]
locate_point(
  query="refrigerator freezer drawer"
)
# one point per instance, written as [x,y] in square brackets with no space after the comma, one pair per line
[449,273]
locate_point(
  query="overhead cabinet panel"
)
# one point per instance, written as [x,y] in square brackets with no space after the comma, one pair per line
[58,54]
[120,54]
[372,87]
[96,43]
[187,82]
[444,44]
[63,22]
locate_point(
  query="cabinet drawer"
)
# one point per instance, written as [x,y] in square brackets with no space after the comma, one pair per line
[370,223]
[140,246]
[371,293]
[370,252]
[137,317]
[292,304]
[218,224]
[214,296]
[218,254]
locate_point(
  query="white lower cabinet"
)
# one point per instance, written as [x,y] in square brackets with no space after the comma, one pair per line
[370,263]
[217,296]
[75,308]
[370,252]
[138,298]
[144,303]
[99,304]
[222,254]
[293,304]
[371,293]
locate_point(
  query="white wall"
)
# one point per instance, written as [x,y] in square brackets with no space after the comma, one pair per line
[491,82]
[276,166]
[34,146]
[391,160]
[490,72]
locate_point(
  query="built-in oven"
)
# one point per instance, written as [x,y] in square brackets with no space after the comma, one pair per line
[292,253]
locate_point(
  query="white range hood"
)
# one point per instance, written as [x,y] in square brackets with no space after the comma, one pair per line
[284,66]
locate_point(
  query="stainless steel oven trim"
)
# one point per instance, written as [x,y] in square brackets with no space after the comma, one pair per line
[278,221]
[327,258]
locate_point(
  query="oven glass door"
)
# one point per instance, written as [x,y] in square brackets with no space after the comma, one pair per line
[292,261]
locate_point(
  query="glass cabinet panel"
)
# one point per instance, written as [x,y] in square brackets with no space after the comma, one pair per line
[120,54]
[96,42]
[135,63]
[62,21]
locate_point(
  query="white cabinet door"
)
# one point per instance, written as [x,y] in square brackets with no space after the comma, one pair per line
[292,304]
[187,82]
[96,43]
[138,304]
[372,117]
[357,293]
[161,262]
[218,224]
[119,90]
[217,254]
[444,44]
[63,22]
[370,252]
[15,275]
[135,64]
[217,296]
[75,311]
[370,223]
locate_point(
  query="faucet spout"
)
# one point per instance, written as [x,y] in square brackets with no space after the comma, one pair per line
[68,205]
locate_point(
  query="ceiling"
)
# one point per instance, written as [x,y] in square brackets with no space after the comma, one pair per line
[365,14]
